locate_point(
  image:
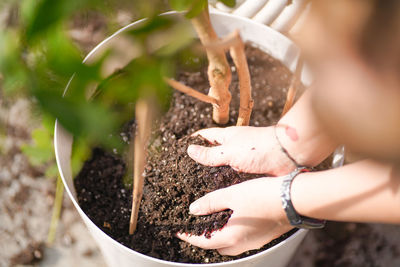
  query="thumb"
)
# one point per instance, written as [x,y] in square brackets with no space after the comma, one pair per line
[210,203]
[209,156]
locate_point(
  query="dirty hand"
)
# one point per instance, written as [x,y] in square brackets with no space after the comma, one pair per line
[257,216]
[244,148]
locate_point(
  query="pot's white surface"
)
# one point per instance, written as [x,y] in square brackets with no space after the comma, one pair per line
[117,255]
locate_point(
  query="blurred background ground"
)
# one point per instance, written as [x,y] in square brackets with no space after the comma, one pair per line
[27,198]
[26,202]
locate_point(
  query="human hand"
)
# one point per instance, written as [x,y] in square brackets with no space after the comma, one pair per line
[244,148]
[257,218]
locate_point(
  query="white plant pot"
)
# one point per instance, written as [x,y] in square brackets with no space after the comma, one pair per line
[117,255]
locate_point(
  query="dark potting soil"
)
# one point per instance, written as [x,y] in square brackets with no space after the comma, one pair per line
[172,179]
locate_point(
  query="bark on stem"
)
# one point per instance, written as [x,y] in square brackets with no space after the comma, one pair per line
[239,58]
[190,91]
[219,73]
[143,118]
[291,94]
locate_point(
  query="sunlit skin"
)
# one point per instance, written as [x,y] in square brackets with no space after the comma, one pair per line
[249,142]
[343,194]
[331,112]
[357,96]
[292,133]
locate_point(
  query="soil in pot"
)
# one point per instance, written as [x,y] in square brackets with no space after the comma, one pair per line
[172,179]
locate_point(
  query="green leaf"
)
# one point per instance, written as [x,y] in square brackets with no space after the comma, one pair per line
[36,155]
[47,14]
[51,171]
[180,5]
[41,137]
[78,116]
[12,68]
[61,54]
[174,46]
[229,3]
[151,25]
[41,151]
[80,152]
[177,38]
[196,8]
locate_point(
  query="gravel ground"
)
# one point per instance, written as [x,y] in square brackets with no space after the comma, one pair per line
[26,196]
[26,201]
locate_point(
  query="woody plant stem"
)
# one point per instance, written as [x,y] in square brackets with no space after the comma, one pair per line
[219,73]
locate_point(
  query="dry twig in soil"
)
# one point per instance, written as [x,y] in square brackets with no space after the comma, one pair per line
[143,114]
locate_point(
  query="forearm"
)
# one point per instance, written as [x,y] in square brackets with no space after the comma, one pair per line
[365,191]
[301,134]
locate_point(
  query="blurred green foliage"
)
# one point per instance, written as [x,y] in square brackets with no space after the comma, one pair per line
[38,59]
[40,151]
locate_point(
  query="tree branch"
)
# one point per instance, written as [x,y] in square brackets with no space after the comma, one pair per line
[239,58]
[225,43]
[190,91]
[219,73]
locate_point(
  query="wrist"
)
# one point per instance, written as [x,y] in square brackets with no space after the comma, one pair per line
[302,134]
[301,193]
[292,146]
[294,217]
[275,161]
[271,204]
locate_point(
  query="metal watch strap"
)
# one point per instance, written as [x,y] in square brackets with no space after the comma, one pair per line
[294,218]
